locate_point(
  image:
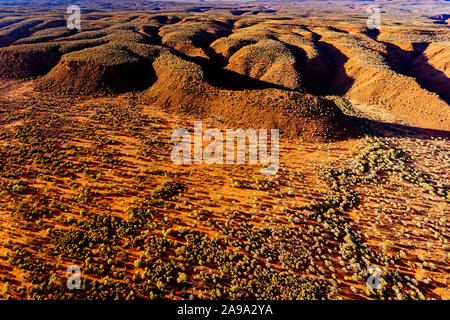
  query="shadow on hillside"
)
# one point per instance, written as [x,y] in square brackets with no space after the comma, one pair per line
[386,129]
[152,34]
[230,80]
[221,78]
[341,82]
[401,61]
[309,81]
[373,33]
[429,77]
[440,19]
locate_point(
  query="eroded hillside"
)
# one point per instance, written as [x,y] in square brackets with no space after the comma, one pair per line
[86,176]
[401,69]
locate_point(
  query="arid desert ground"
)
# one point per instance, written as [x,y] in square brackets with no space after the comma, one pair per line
[87,179]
